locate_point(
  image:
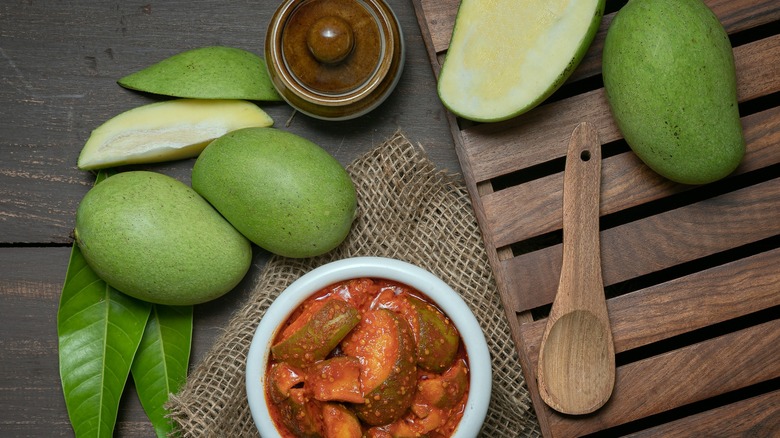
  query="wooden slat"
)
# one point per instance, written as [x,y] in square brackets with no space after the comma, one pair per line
[684,304]
[541,135]
[657,242]
[681,377]
[440,17]
[757,416]
[626,182]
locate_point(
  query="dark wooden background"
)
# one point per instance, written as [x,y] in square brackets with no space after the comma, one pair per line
[59,62]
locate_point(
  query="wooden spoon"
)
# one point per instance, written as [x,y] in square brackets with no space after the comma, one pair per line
[576,372]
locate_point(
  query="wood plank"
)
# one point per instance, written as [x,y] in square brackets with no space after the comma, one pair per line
[680,377]
[626,182]
[541,135]
[757,416]
[657,242]
[440,18]
[684,304]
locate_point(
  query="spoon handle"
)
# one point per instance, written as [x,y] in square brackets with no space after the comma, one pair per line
[581,269]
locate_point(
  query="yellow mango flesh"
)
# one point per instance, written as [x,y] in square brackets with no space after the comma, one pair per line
[507,56]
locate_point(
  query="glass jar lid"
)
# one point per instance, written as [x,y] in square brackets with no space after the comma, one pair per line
[334,59]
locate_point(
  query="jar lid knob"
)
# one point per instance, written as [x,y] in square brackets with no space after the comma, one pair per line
[330,39]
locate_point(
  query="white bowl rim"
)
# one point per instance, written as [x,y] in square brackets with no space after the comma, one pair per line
[480,380]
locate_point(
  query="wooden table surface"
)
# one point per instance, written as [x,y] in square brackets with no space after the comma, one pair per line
[59,62]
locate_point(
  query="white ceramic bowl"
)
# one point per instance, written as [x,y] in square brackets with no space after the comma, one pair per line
[373,267]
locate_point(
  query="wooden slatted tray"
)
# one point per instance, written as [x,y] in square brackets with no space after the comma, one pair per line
[691,274]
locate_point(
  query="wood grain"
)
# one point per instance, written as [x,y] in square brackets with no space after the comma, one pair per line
[753,417]
[627,183]
[657,242]
[685,304]
[718,366]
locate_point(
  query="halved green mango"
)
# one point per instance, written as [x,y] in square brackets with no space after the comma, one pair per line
[214,72]
[508,56]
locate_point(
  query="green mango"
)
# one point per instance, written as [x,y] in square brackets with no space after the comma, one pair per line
[670,81]
[152,237]
[213,72]
[280,190]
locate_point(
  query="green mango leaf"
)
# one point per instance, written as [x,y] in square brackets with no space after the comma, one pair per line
[99,329]
[214,72]
[161,362]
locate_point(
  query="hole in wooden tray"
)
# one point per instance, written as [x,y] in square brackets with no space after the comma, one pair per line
[678,271]
[754,34]
[690,196]
[719,401]
[721,258]
[523,176]
[696,336]
[541,170]
[759,104]
[613,6]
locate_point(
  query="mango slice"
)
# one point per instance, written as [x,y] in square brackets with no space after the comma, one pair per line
[437,338]
[169,130]
[315,339]
[300,415]
[508,56]
[384,344]
[214,72]
[283,378]
[336,379]
[340,422]
[443,391]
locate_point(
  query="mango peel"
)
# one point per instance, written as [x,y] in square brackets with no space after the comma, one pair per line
[214,72]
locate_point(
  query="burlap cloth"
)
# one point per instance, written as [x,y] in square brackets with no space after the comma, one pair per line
[408,210]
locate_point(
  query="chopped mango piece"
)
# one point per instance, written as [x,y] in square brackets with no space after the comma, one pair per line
[319,335]
[340,422]
[384,343]
[437,338]
[336,379]
[443,391]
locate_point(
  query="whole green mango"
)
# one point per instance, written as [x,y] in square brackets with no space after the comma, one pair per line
[283,192]
[670,81]
[154,238]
